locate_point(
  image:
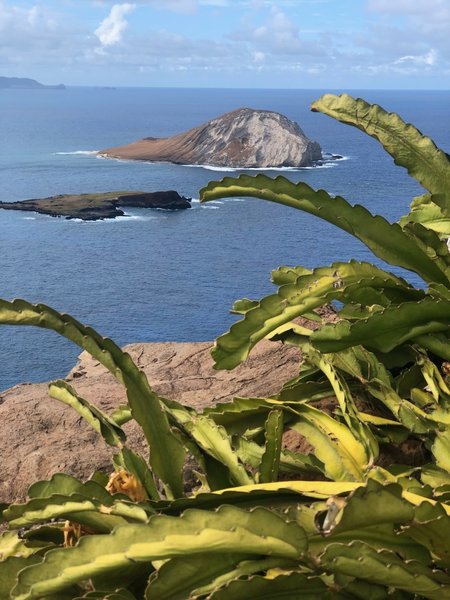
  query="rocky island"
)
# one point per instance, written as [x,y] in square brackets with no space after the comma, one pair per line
[243,138]
[91,207]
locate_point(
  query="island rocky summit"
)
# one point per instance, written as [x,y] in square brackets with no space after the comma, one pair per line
[244,138]
[91,207]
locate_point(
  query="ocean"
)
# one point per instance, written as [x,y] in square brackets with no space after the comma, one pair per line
[154,275]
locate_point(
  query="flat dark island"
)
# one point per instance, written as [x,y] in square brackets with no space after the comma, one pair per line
[104,205]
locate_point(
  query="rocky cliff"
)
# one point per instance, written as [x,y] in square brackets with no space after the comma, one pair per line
[41,436]
[244,138]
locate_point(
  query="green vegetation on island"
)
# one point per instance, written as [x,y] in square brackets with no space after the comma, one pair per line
[337,519]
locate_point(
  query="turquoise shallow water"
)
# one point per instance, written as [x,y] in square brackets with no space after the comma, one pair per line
[155,275]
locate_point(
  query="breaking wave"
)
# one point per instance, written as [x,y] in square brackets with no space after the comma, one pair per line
[87,152]
[329,160]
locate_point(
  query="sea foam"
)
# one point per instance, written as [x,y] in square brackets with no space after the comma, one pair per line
[329,160]
[87,152]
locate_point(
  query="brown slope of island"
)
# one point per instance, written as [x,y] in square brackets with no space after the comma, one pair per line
[91,207]
[244,138]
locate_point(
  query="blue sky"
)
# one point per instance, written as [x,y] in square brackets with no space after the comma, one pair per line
[328,44]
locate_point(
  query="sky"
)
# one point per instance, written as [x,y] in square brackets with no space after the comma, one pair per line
[316,44]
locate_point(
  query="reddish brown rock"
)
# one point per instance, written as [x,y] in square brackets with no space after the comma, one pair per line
[40,436]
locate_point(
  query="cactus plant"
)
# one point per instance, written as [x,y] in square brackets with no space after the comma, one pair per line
[390,347]
[268,522]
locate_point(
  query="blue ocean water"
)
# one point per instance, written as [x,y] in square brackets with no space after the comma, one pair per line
[157,275]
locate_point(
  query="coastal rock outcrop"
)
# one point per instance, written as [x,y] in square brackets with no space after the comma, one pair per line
[42,436]
[91,207]
[243,138]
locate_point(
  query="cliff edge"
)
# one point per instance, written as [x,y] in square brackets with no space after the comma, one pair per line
[42,436]
[243,138]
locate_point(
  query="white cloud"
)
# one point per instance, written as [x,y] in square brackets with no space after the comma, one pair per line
[277,36]
[110,30]
[33,15]
[182,6]
[278,33]
[406,37]
[54,40]
[429,8]
[428,20]
[430,59]
[220,3]
[15,18]
[39,35]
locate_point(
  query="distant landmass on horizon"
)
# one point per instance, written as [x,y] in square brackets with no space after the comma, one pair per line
[24,83]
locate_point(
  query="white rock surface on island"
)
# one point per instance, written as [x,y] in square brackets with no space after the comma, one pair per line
[243,138]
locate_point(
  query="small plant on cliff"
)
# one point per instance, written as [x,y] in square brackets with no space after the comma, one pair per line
[350,529]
